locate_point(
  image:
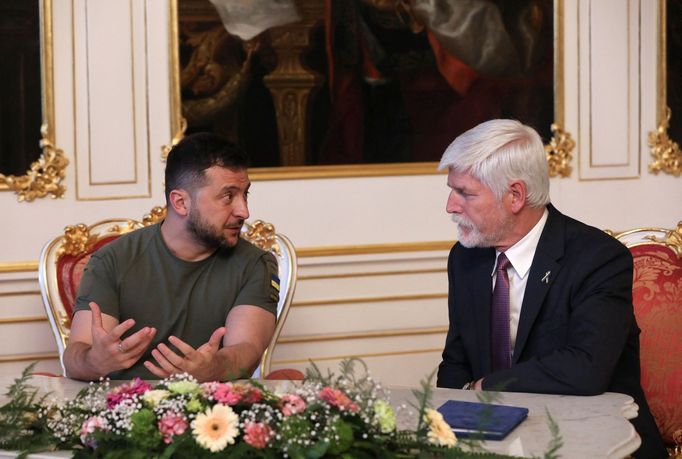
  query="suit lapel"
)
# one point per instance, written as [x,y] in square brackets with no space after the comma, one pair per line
[543,271]
[480,286]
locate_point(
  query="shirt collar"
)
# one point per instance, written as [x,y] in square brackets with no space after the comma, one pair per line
[521,254]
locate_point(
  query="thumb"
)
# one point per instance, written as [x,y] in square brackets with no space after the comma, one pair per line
[96,321]
[216,337]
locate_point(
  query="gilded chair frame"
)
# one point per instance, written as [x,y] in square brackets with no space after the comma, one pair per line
[646,236]
[81,239]
[669,239]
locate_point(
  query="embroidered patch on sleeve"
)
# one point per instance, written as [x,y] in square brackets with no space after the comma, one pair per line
[273,280]
[274,283]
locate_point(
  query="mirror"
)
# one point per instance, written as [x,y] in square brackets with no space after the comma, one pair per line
[365,87]
[30,164]
[665,141]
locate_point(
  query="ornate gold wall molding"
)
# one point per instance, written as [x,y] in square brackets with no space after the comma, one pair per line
[18,267]
[559,152]
[28,357]
[362,356]
[177,137]
[45,176]
[560,147]
[393,333]
[666,153]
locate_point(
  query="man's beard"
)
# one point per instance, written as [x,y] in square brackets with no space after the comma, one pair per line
[204,233]
[498,225]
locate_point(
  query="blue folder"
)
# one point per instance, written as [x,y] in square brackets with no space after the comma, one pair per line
[493,422]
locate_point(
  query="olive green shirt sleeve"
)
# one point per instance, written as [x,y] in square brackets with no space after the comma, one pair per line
[99,284]
[261,286]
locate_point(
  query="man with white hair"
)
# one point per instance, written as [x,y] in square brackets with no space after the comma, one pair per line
[538,302]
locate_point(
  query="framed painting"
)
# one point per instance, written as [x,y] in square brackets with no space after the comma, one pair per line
[365,87]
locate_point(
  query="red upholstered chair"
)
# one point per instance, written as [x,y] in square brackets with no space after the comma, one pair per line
[63,259]
[657,298]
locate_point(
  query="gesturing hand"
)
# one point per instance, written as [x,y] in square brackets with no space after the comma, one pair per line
[202,363]
[108,352]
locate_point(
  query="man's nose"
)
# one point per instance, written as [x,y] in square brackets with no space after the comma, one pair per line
[453,205]
[241,209]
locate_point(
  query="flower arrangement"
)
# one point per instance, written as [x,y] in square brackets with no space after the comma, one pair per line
[324,416]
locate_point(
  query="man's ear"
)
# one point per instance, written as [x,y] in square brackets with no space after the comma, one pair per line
[180,201]
[517,190]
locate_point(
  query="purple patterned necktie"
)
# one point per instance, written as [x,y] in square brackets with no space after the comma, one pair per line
[499,328]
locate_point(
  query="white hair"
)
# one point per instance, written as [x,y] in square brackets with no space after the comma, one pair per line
[498,152]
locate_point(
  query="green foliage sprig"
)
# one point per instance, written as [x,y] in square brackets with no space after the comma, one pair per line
[326,416]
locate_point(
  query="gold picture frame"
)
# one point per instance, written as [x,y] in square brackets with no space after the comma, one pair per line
[558,150]
[46,174]
[666,153]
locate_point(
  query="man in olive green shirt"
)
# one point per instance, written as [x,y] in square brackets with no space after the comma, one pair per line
[187,295]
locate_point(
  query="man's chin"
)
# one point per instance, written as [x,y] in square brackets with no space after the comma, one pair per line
[229,242]
[470,239]
[463,236]
[467,243]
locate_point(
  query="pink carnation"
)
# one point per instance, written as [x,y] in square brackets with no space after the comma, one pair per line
[172,424]
[252,395]
[226,394]
[291,404]
[231,394]
[338,399]
[126,391]
[257,434]
[88,428]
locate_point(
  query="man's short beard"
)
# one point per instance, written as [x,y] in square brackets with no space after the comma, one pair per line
[476,238]
[204,233]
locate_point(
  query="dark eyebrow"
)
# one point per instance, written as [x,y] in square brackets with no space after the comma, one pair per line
[227,188]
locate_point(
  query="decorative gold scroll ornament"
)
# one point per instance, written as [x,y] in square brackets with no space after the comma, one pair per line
[177,137]
[558,152]
[45,176]
[78,239]
[262,235]
[666,153]
[673,239]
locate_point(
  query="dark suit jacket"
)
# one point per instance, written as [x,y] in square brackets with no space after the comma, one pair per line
[577,333]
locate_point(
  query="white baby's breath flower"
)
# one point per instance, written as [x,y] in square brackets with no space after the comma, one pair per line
[153,397]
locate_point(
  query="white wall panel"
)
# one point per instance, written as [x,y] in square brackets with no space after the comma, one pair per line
[609,145]
[291,351]
[26,338]
[112,112]
[405,368]
[21,305]
[372,286]
[356,317]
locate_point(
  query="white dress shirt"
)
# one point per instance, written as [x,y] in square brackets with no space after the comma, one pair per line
[520,255]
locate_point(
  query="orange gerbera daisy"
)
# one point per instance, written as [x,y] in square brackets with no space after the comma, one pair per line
[216,427]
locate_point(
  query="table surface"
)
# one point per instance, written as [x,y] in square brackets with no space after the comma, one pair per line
[594,427]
